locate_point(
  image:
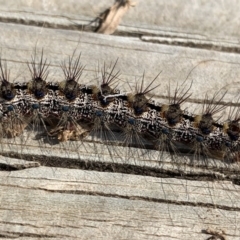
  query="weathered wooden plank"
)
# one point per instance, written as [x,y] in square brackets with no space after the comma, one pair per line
[87,217]
[51,202]
[198,18]
[217,194]
[80,204]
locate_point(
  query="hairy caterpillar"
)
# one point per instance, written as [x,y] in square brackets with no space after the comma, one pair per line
[68,111]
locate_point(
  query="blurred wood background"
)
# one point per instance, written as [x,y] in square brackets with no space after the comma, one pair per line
[70,191]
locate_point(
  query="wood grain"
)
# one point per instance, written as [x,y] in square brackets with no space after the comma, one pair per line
[90,191]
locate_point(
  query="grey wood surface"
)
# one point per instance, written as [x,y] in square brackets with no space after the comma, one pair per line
[90,191]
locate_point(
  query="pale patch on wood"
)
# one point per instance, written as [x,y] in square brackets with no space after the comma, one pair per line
[111,17]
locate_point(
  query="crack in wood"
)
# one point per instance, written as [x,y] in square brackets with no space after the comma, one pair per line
[70,163]
[158,38]
[13,235]
[201,44]
[147,199]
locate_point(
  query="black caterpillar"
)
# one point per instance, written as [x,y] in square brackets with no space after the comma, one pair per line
[71,111]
